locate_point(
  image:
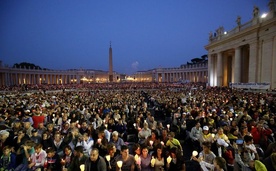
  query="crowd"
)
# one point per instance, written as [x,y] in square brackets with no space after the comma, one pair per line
[136,127]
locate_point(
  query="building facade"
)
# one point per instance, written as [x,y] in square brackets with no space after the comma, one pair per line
[17,76]
[185,73]
[247,53]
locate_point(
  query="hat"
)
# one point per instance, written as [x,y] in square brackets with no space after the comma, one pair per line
[224,124]
[50,150]
[222,142]
[34,130]
[206,128]
[3,132]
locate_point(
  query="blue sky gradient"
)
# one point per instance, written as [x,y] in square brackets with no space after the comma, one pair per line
[145,34]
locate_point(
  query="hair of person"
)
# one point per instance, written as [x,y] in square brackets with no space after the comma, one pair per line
[68,147]
[247,138]
[232,130]
[79,149]
[29,143]
[206,143]
[110,146]
[38,145]
[123,147]
[136,146]
[172,134]
[95,149]
[221,162]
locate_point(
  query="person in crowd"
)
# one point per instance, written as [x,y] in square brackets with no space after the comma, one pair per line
[177,162]
[127,159]
[173,142]
[113,153]
[219,164]
[260,135]
[35,137]
[58,143]
[144,133]
[38,158]
[117,140]
[24,153]
[233,135]
[206,135]
[20,139]
[145,164]
[206,154]
[6,139]
[86,142]
[53,161]
[46,140]
[7,159]
[121,128]
[195,134]
[101,143]
[152,141]
[159,159]
[220,135]
[78,159]
[270,162]
[28,127]
[41,128]
[95,162]
[67,157]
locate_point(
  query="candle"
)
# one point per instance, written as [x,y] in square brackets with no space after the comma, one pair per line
[152,161]
[107,157]
[168,126]
[151,142]
[136,157]
[120,164]
[195,153]
[82,167]
[99,141]
[139,161]
[162,142]
[213,135]
[169,159]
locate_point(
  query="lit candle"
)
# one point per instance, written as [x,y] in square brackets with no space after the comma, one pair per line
[162,142]
[169,159]
[213,135]
[82,167]
[168,126]
[99,141]
[152,161]
[139,161]
[151,142]
[136,157]
[120,164]
[107,157]
[195,153]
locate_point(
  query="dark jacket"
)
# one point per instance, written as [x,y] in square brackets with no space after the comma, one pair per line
[76,162]
[101,165]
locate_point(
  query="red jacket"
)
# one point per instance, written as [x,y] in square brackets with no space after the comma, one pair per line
[258,134]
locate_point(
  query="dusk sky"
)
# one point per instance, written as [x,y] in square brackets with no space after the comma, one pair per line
[145,34]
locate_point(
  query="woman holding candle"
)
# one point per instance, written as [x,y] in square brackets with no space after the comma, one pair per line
[175,161]
[153,141]
[145,158]
[158,160]
[112,154]
[101,143]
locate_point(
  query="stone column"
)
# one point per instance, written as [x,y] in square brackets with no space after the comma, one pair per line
[210,70]
[219,69]
[237,65]
[254,71]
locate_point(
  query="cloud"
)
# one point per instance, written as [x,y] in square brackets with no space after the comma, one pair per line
[135,65]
